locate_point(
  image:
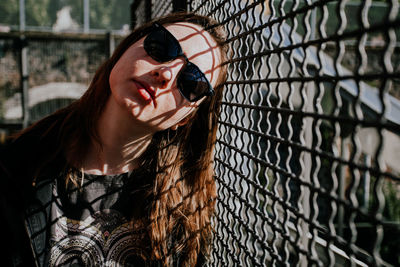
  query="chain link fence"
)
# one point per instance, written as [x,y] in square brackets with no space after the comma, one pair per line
[308,147]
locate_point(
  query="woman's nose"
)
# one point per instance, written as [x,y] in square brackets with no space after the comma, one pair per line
[162,76]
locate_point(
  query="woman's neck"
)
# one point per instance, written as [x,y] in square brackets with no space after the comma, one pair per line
[122,143]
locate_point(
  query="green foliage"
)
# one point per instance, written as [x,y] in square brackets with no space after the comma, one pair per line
[37,13]
[109,14]
[9,10]
[104,14]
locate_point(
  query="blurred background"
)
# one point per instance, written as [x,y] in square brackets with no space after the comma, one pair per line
[52,48]
[65,15]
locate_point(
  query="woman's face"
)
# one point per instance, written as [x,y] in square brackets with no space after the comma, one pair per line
[146,90]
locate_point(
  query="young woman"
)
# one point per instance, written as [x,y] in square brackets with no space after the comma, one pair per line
[124,175]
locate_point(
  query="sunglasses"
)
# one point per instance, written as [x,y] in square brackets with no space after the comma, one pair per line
[163,47]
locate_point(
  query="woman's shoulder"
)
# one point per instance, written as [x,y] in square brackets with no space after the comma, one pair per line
[30,146]
[21,147]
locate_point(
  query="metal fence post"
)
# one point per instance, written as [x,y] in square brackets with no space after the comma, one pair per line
[110,43]
[147,7]
[146,13]
[24,80]
[179,5]
[86,17]
[21,15]
[134,5]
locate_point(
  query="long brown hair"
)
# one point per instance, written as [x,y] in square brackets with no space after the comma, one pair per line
[183,189]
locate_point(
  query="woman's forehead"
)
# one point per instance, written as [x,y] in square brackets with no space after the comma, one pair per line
[199,46]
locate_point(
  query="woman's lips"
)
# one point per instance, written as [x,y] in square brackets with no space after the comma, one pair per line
[144,90]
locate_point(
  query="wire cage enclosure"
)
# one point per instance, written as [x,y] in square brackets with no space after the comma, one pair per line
[308,146]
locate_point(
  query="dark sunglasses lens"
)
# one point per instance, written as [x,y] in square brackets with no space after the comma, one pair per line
[162,46]
[192,83]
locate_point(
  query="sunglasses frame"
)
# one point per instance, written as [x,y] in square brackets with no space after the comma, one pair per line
[170,38]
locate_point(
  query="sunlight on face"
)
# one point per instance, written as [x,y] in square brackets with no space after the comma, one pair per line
[147,90]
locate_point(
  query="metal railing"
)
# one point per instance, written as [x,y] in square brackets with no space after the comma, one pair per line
[42,72]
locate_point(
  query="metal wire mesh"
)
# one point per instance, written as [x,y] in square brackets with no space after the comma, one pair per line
[145,10]
[160,8]
[308,146]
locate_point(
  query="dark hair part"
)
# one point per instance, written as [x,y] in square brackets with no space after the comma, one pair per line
[183,192]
